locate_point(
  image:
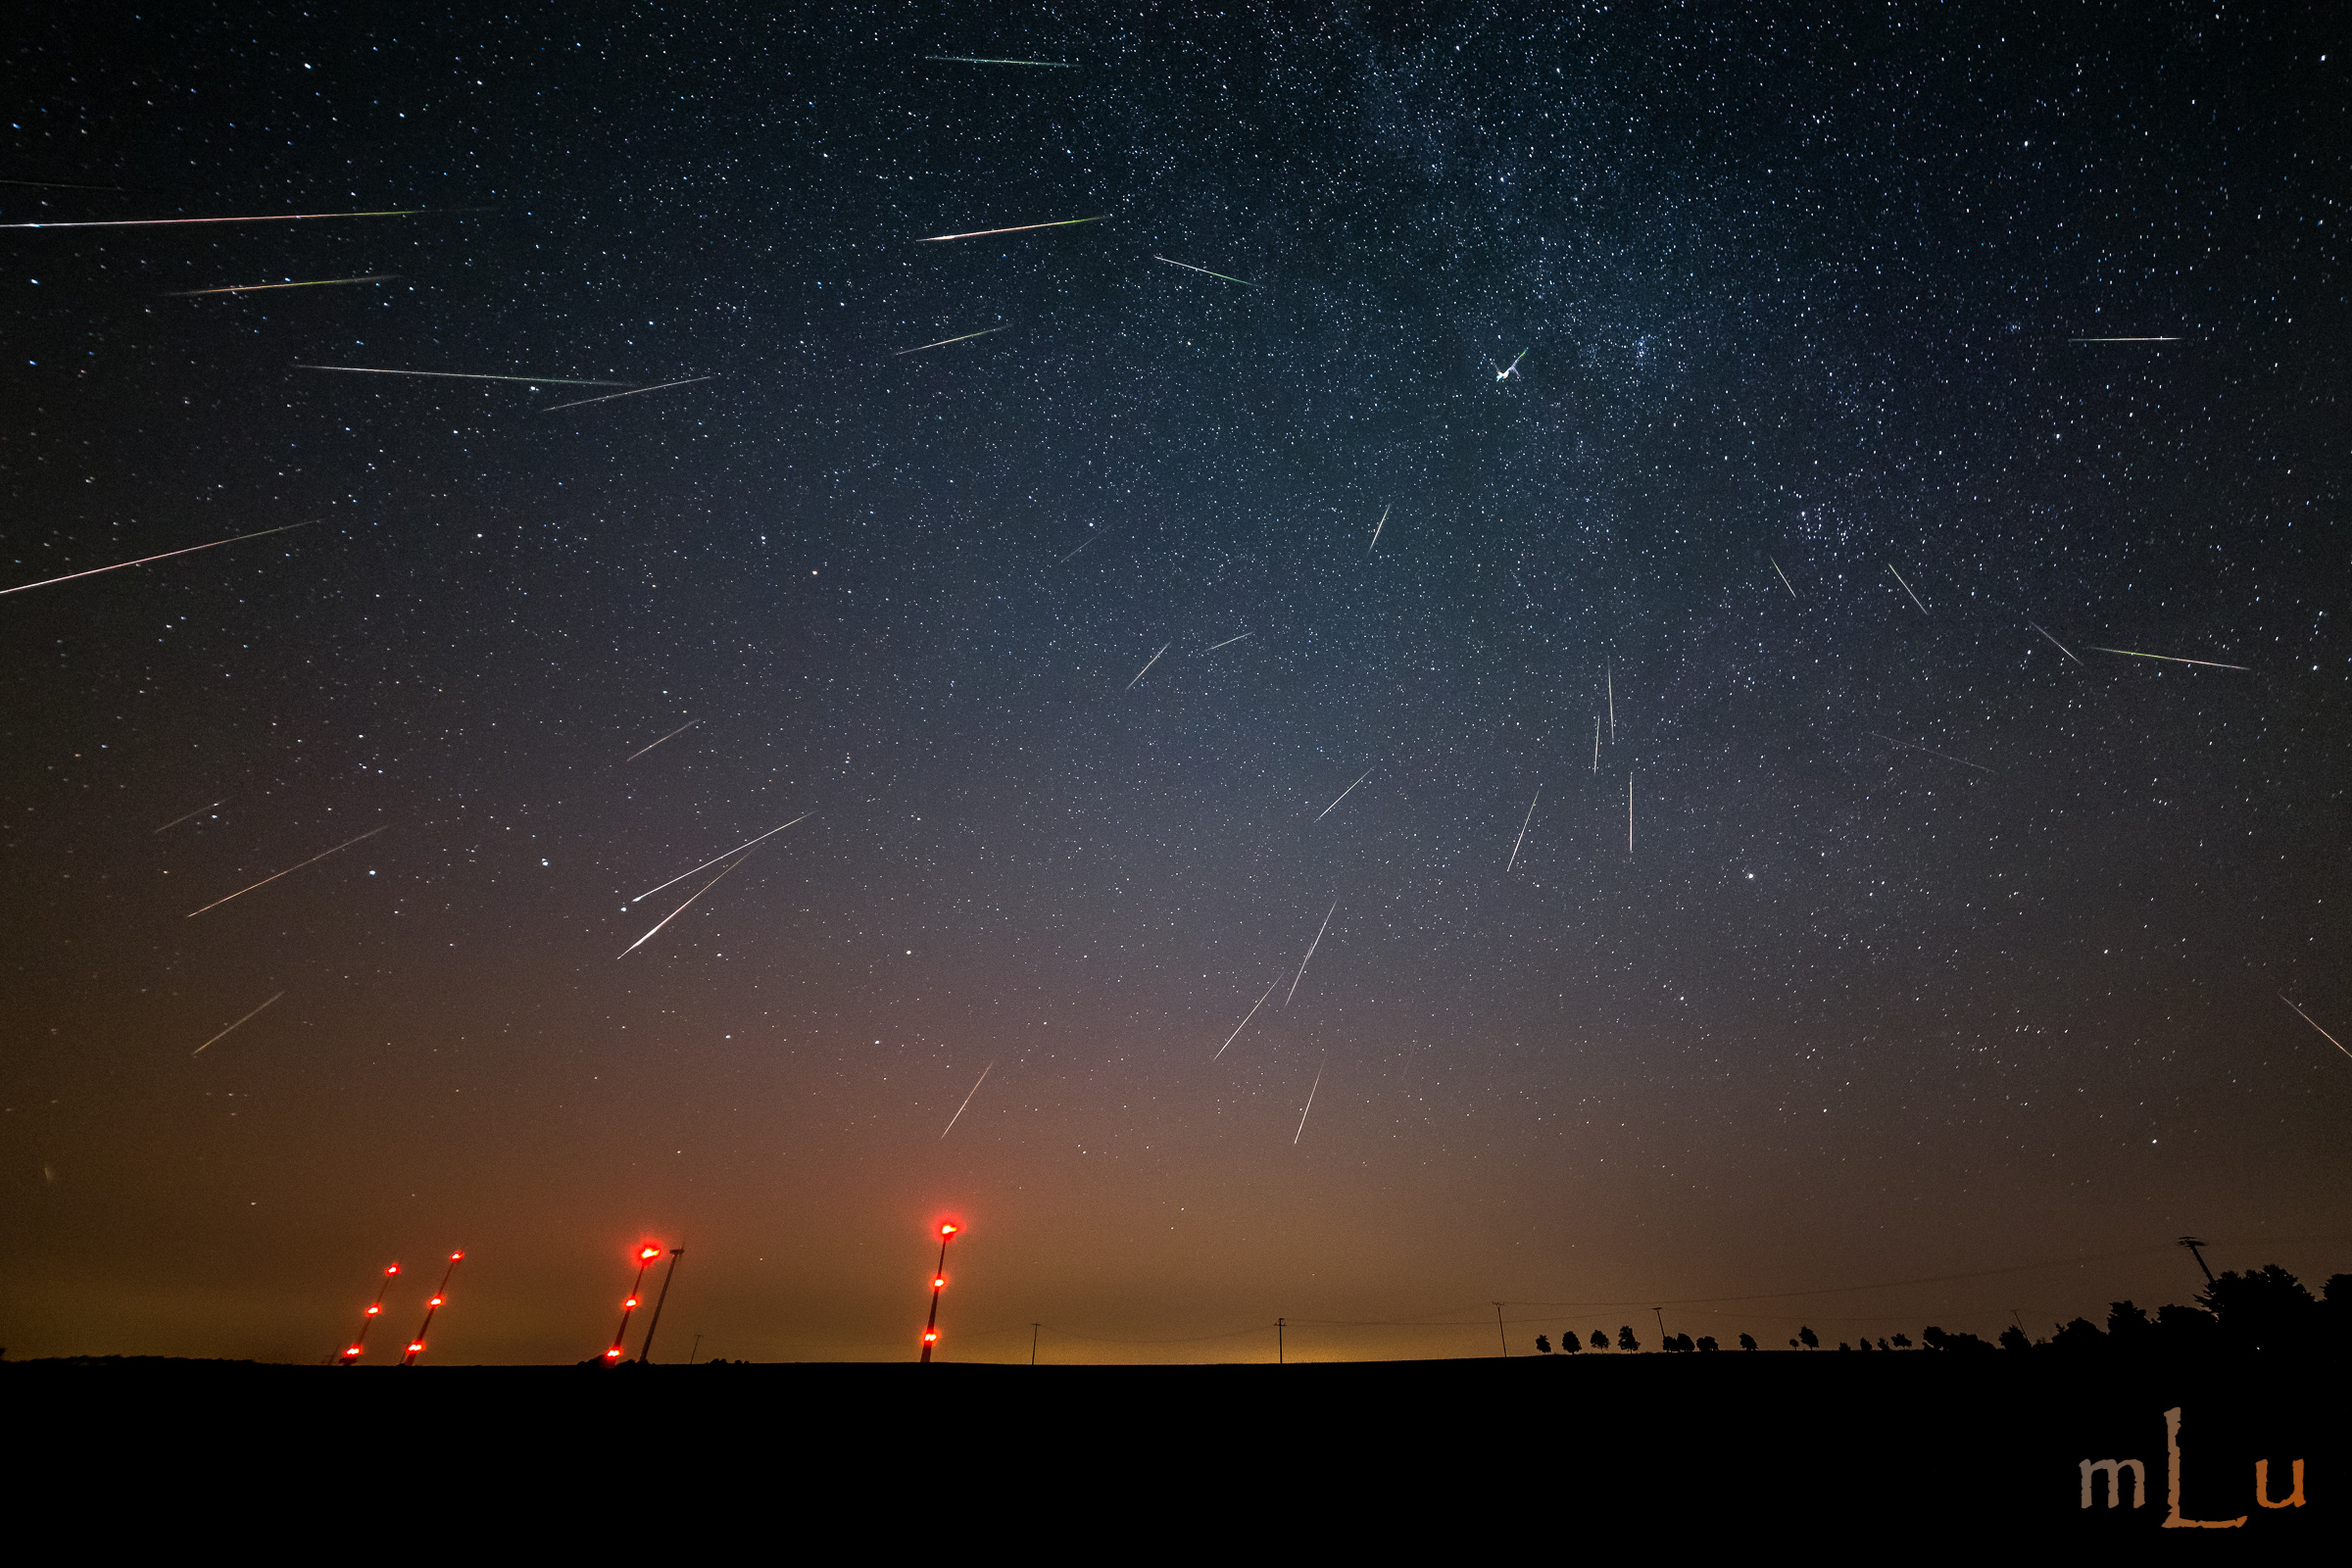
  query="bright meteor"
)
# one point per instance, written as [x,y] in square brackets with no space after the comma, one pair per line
[1017,228]
[715,858]
[266,218]
[462,375]
[255,288]
[264,1007]
[291,869]
[143,559]
[1343,794]
[2323,1034]
[945,341]
[967,1100]
[681,909]
[630,393]
[1246,1017]
[981,59]
[2167,658]
[1310,952]
[1148,664]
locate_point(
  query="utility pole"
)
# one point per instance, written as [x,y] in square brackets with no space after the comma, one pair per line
[696,1351]
[1278,1323]
[2193,1244]
[645,1351]
[1660,1313]
[1033,1328]
[1498,1334]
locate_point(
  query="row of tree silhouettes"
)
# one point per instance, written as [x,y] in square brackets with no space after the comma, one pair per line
[2263,1309]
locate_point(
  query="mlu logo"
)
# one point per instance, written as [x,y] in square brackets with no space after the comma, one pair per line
[2115,1469]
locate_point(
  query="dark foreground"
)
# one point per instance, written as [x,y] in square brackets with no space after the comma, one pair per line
[1893,1452]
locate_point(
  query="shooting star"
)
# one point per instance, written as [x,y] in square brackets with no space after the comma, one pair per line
[1898,577]
[56,184]
[269,218]
[264,1007]
[1017,228]
[715,858]
[1629,813]
[1227,277]
[1148,664]
[255,288]
[1783,576]
[1227,643]
[681,909]
[1310,1101]
[199,811]
[1310,953]
[461,376]
[1343,794]
[1596,743]
[1088,540]
[1931,752]
[2055,643]
[982,60]
[2128,340]
[1252,1013]
[165,555]
[673,734]
[967,1100]
[635,391]
[1376,527]
[290,870]
[1522,838]
[2323,1034]
[1609,670]
[945,341]
[2132,654]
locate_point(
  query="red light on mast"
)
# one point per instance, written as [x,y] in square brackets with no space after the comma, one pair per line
[946,1230]
[646,1255]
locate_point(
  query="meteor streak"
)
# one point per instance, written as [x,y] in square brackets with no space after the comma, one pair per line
[1343,794]
[267,218]
[715,858]
[1376,527]
[1898,577]
[1931,752]
[1252,1013]
[1522,838]
[1148,664]
[264,1007]
[1088,540]
[982,60]
[945,341]
[255,288]
[967,1100]
[56,184]
[1310,953]
[1609,670]
[290,870]
[2055,643]
[1629,813]
[1785,582]
[630,393]
[2131,654]
[2323,1034]
[1228,276]
[2128,340]
[165,555]
[681,909]
[1310,1101]
[1596,743]
[641,750]
[1227,643]
[1017,228]
[199,811]
[461,376]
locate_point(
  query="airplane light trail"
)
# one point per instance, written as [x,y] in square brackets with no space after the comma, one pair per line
[1252,1013]
[1148,664]
[1017,228]
[269,218]
[982,60]
[641,750]
[967,1100]
[264,1007]
[461,376]
[1227,643]
[1310,953]
[2167,658]
[1785,582]
[255,288]
[1898,577]
[199,811]
[1310,1101]
[1931,752]
[681,909]
[945,341]
[290,870]
[165,555]
[2055,643]
[2323,1034]
[1343,794]
[1227,277]
[1522,838]
[1376,527]
[635,391]
[715,858]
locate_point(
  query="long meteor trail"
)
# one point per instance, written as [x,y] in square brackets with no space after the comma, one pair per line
[715,858]
[967,1100]
[1343,794]
[2055,643]
[165,555]
[650,745]
[2323,1034]
[1376,527]
[1310,1099]
[1246,1017]
[462,375]
[1898,577]
[1227,277]
[255,288]
[635,391]
[264,1007]
[1227,643]
[1017,228]
[1783,576]
[1310,953]
[681,909]
[1522,838]
[1148,664]
[945,341]
[2128,340]
[199,811]
[291,869]
[983,59]
[1931,752]
[266,218]
[2167,658]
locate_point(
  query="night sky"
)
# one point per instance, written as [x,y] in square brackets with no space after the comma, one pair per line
[1939,948]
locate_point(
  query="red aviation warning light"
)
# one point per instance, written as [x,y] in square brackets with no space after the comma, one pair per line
[645,1254]
[351,1351]
[939,1282]
[433,1305]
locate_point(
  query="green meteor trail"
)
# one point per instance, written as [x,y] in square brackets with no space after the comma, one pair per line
[461,376]
[255,288]
[1227,277]
[976,60]
[1017,228]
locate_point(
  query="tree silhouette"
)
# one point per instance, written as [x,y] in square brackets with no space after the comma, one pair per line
[1571,1342]
[2014,1338]
[1707,1342]
[2187,1328]
[1902,1342]
[2128,1328]
[1808,1339]
[1936,1338]
[1542,1345]
[2265,1309]
[1865,1343]
[1625,1338]
[1748,1341]
[1600,1339]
